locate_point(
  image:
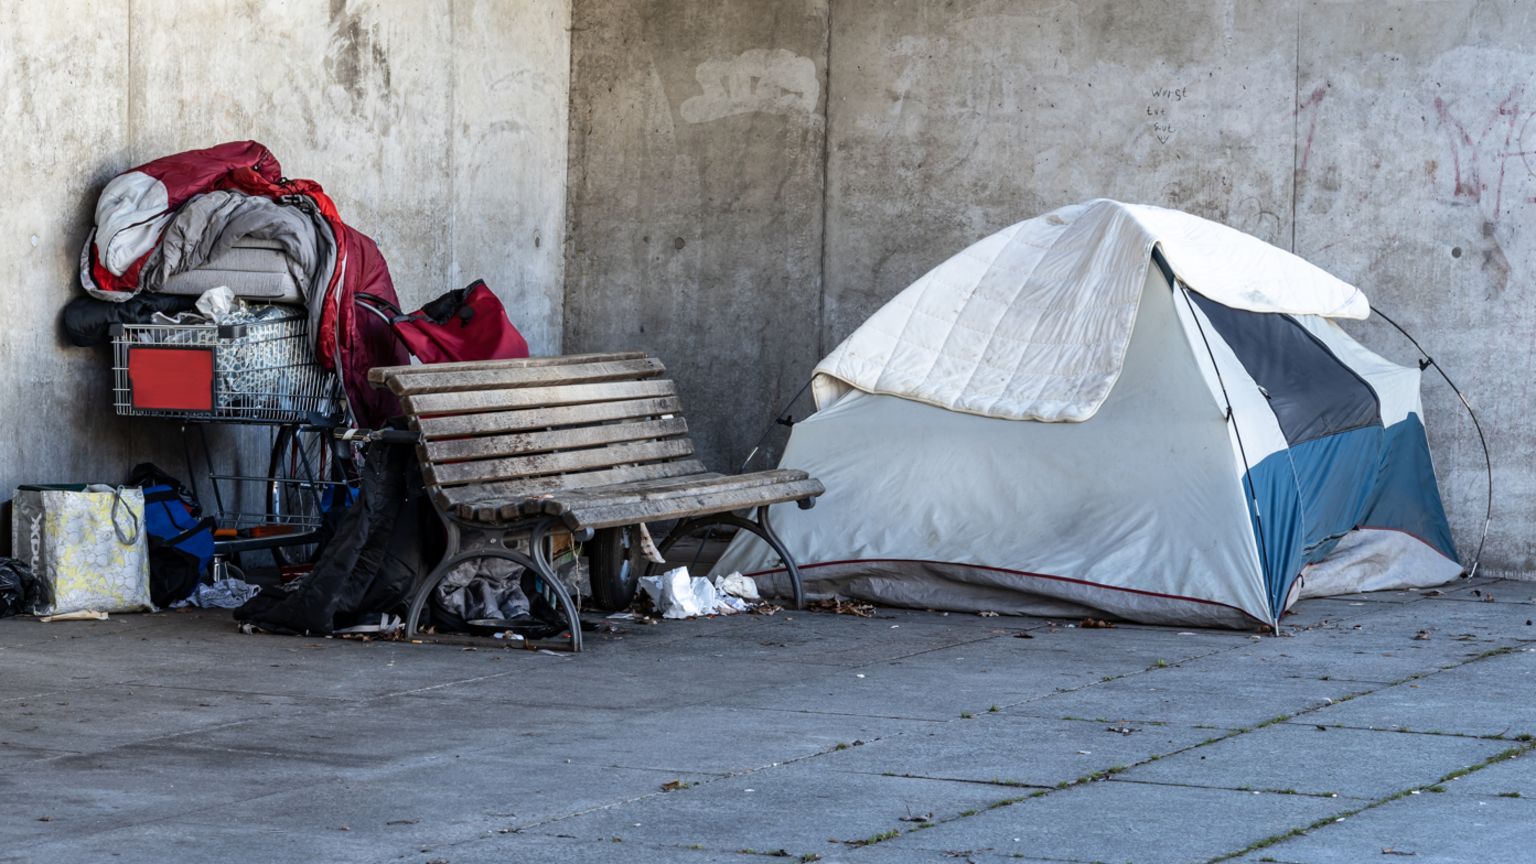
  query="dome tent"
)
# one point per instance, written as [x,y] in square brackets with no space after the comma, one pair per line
[1113,408]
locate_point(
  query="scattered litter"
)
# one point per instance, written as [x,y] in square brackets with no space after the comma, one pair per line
[859,675]
[1122,730]
[926,817]
[767,609]
[1421,635]
[986,613]
[737,585]
[842,607]
[1095,623]
[1085,752]
[82,615]
[382,624]
[674,785]
[677,595]
[508,635]
[227,593]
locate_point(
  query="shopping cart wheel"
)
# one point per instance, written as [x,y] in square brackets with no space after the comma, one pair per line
[614,563]
[310,483]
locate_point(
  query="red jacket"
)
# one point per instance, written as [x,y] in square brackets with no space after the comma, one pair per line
[135,207]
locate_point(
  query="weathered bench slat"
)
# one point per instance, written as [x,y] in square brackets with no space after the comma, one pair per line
[692,505]
[531,397]
[518,491]
[380,376]
[438,381]
[501,422]
[560,439]
[493,470]
[566,500]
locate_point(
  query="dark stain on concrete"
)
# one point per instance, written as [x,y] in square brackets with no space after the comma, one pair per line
[1495,264]
[357,60]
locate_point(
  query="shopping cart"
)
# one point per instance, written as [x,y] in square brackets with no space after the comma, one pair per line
[260,372]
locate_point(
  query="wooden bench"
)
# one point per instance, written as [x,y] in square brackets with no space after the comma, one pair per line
[516,449]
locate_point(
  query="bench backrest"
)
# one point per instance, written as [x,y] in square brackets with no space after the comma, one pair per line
[509,428]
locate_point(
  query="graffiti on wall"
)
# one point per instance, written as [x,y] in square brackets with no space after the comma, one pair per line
[1492,154]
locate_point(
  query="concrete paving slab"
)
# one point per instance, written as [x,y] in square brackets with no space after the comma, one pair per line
[1510,778]
[845,640]
[477,742]
[1113,821]
[1319,611]
[1209,694]
[95,719]
[426,800]
[1347,762]
[933,690]
[1517,591]
[999,748]
[1485,697]
[1451,619]
[543,849]
[1445,829]
[689,673]
[1376,652]
[79,794]
[719,739]
[803,809]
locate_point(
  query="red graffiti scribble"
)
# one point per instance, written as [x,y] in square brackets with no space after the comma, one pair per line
[1311,105]
[1467,153]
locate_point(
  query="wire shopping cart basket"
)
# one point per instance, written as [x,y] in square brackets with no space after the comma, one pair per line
[262,371]
[259,372]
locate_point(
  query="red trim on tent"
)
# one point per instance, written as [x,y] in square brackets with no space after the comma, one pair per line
[1018,573]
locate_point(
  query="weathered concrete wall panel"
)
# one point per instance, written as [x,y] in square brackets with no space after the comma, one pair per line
[950,121]
[1416,180]
[695,199]
[55,414]
[439,127]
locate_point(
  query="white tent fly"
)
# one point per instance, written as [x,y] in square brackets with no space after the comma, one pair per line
[1120,409]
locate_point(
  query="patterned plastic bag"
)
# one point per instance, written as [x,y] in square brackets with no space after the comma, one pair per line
[86,547]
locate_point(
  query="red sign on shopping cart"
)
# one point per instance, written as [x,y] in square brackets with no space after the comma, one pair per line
[170,379]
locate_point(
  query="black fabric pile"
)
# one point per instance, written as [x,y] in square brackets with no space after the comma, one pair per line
[385,542]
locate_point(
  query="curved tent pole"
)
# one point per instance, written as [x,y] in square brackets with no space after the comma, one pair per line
[1258,514]
[1425,362]
[781,418]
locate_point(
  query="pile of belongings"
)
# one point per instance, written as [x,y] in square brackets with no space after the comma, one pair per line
[171,229]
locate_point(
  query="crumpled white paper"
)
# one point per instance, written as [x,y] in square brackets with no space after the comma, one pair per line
[675,594]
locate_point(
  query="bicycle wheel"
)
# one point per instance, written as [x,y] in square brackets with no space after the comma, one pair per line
[310,483]
[614,564]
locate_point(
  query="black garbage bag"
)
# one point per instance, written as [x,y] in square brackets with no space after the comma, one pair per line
[18,588]
[88,321]
[385,542]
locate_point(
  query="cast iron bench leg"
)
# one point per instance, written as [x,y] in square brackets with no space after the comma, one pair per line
[545,580]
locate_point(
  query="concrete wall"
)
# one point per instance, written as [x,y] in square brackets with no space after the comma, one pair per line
[438,127]
[695,198]
[1388,142]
